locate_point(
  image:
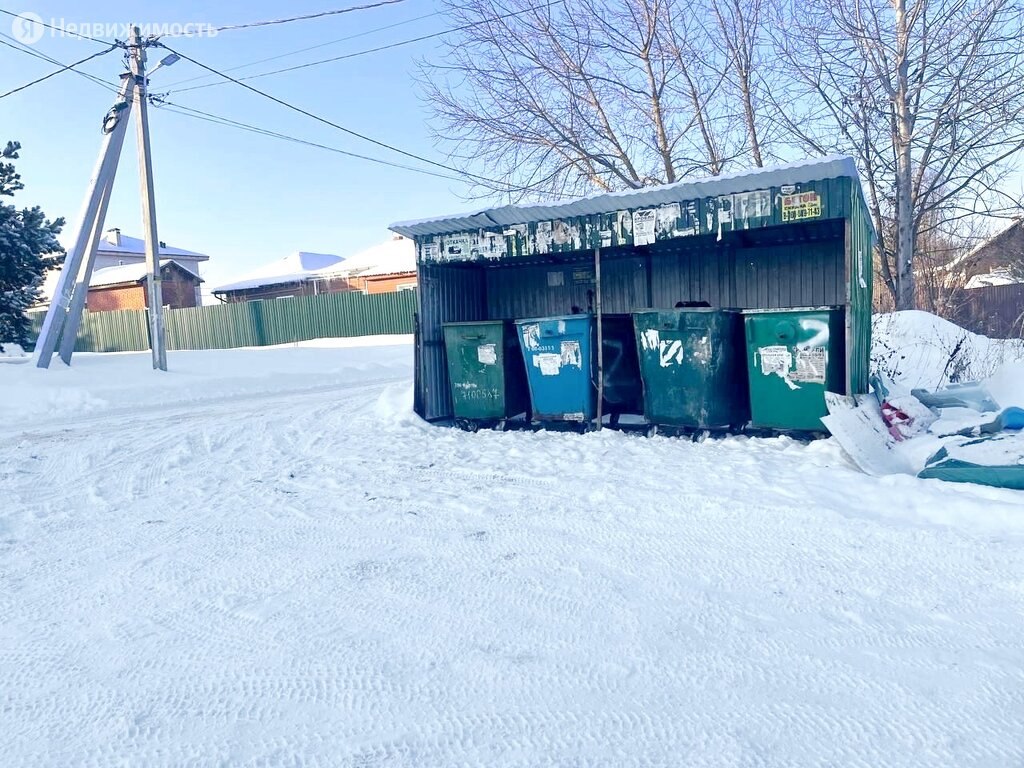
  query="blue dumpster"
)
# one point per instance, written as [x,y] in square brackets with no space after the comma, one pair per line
[558,352]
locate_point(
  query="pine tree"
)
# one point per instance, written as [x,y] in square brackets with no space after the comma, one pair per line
[28,248]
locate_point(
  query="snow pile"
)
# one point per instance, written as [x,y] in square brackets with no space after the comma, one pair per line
[919,349]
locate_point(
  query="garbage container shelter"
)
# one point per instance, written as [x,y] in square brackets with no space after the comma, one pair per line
[792,236]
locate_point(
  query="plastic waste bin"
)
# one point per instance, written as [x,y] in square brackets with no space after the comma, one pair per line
[793,357]
[485,372]
[558,352]
[692,362]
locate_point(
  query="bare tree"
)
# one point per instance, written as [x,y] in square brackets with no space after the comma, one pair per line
[574,96]
[927,94]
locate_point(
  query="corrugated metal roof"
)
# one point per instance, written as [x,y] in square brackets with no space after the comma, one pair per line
[713,186]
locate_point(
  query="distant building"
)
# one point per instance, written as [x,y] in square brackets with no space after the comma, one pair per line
[992,262]
[117,250]
[126,286]
[294,275]
[993,300]
[384,268]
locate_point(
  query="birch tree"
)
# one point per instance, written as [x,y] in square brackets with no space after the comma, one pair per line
[928,95]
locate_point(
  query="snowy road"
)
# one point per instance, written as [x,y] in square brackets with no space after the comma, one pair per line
[265,578]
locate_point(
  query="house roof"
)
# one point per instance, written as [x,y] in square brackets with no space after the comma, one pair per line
[293,268]
[999,235]
[130,273]
[135,246]
[394,256]
[995,277]
[714,186]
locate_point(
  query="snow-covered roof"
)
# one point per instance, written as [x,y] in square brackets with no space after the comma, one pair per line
[137,247]
[293,268]
[725,184]
[394,256]
[995,277]
[129,273]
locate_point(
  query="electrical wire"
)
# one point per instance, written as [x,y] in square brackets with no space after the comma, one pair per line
[364,33]
[320,15]
[219,120]
[50,26]
[64,68]
[371,50]
[43,57]
[334,125]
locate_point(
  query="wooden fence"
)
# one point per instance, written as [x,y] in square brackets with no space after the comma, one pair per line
[995,311]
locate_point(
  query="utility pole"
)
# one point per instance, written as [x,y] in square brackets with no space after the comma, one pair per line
[120,115]
[157,341]
[70,276]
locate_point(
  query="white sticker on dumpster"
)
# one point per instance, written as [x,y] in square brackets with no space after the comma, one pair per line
[670,352]
[531,336]
[775,359]
[548,362]
[650,339]
[571,354]
[487,354]
[811,365]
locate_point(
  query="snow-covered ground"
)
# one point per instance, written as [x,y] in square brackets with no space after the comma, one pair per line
[263,558]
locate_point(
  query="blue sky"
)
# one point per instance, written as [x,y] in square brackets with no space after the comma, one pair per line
[242,198]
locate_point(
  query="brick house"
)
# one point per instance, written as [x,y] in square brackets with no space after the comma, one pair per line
[126,287]
[118,250]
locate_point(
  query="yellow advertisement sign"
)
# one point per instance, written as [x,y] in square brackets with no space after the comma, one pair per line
[800,206]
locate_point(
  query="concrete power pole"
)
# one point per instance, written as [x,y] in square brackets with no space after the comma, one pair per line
[156,302]
[70,276]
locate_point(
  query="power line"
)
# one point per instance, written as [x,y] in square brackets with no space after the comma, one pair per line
[30,20]
[320,15]
[373,50]
[64,68]
[51,60]
[364,33]
[219,120]
[341,128]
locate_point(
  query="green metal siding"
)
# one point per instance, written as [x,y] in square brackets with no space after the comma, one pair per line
[251,323]
[860,243]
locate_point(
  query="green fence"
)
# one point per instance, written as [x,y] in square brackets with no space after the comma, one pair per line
[249,323]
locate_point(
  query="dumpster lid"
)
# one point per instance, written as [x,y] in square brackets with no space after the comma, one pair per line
[708,310]
[776,310]
[555,318]
[474,323]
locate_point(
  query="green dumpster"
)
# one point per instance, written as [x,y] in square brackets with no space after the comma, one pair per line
[485,370]
[691,362]
[794,356]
